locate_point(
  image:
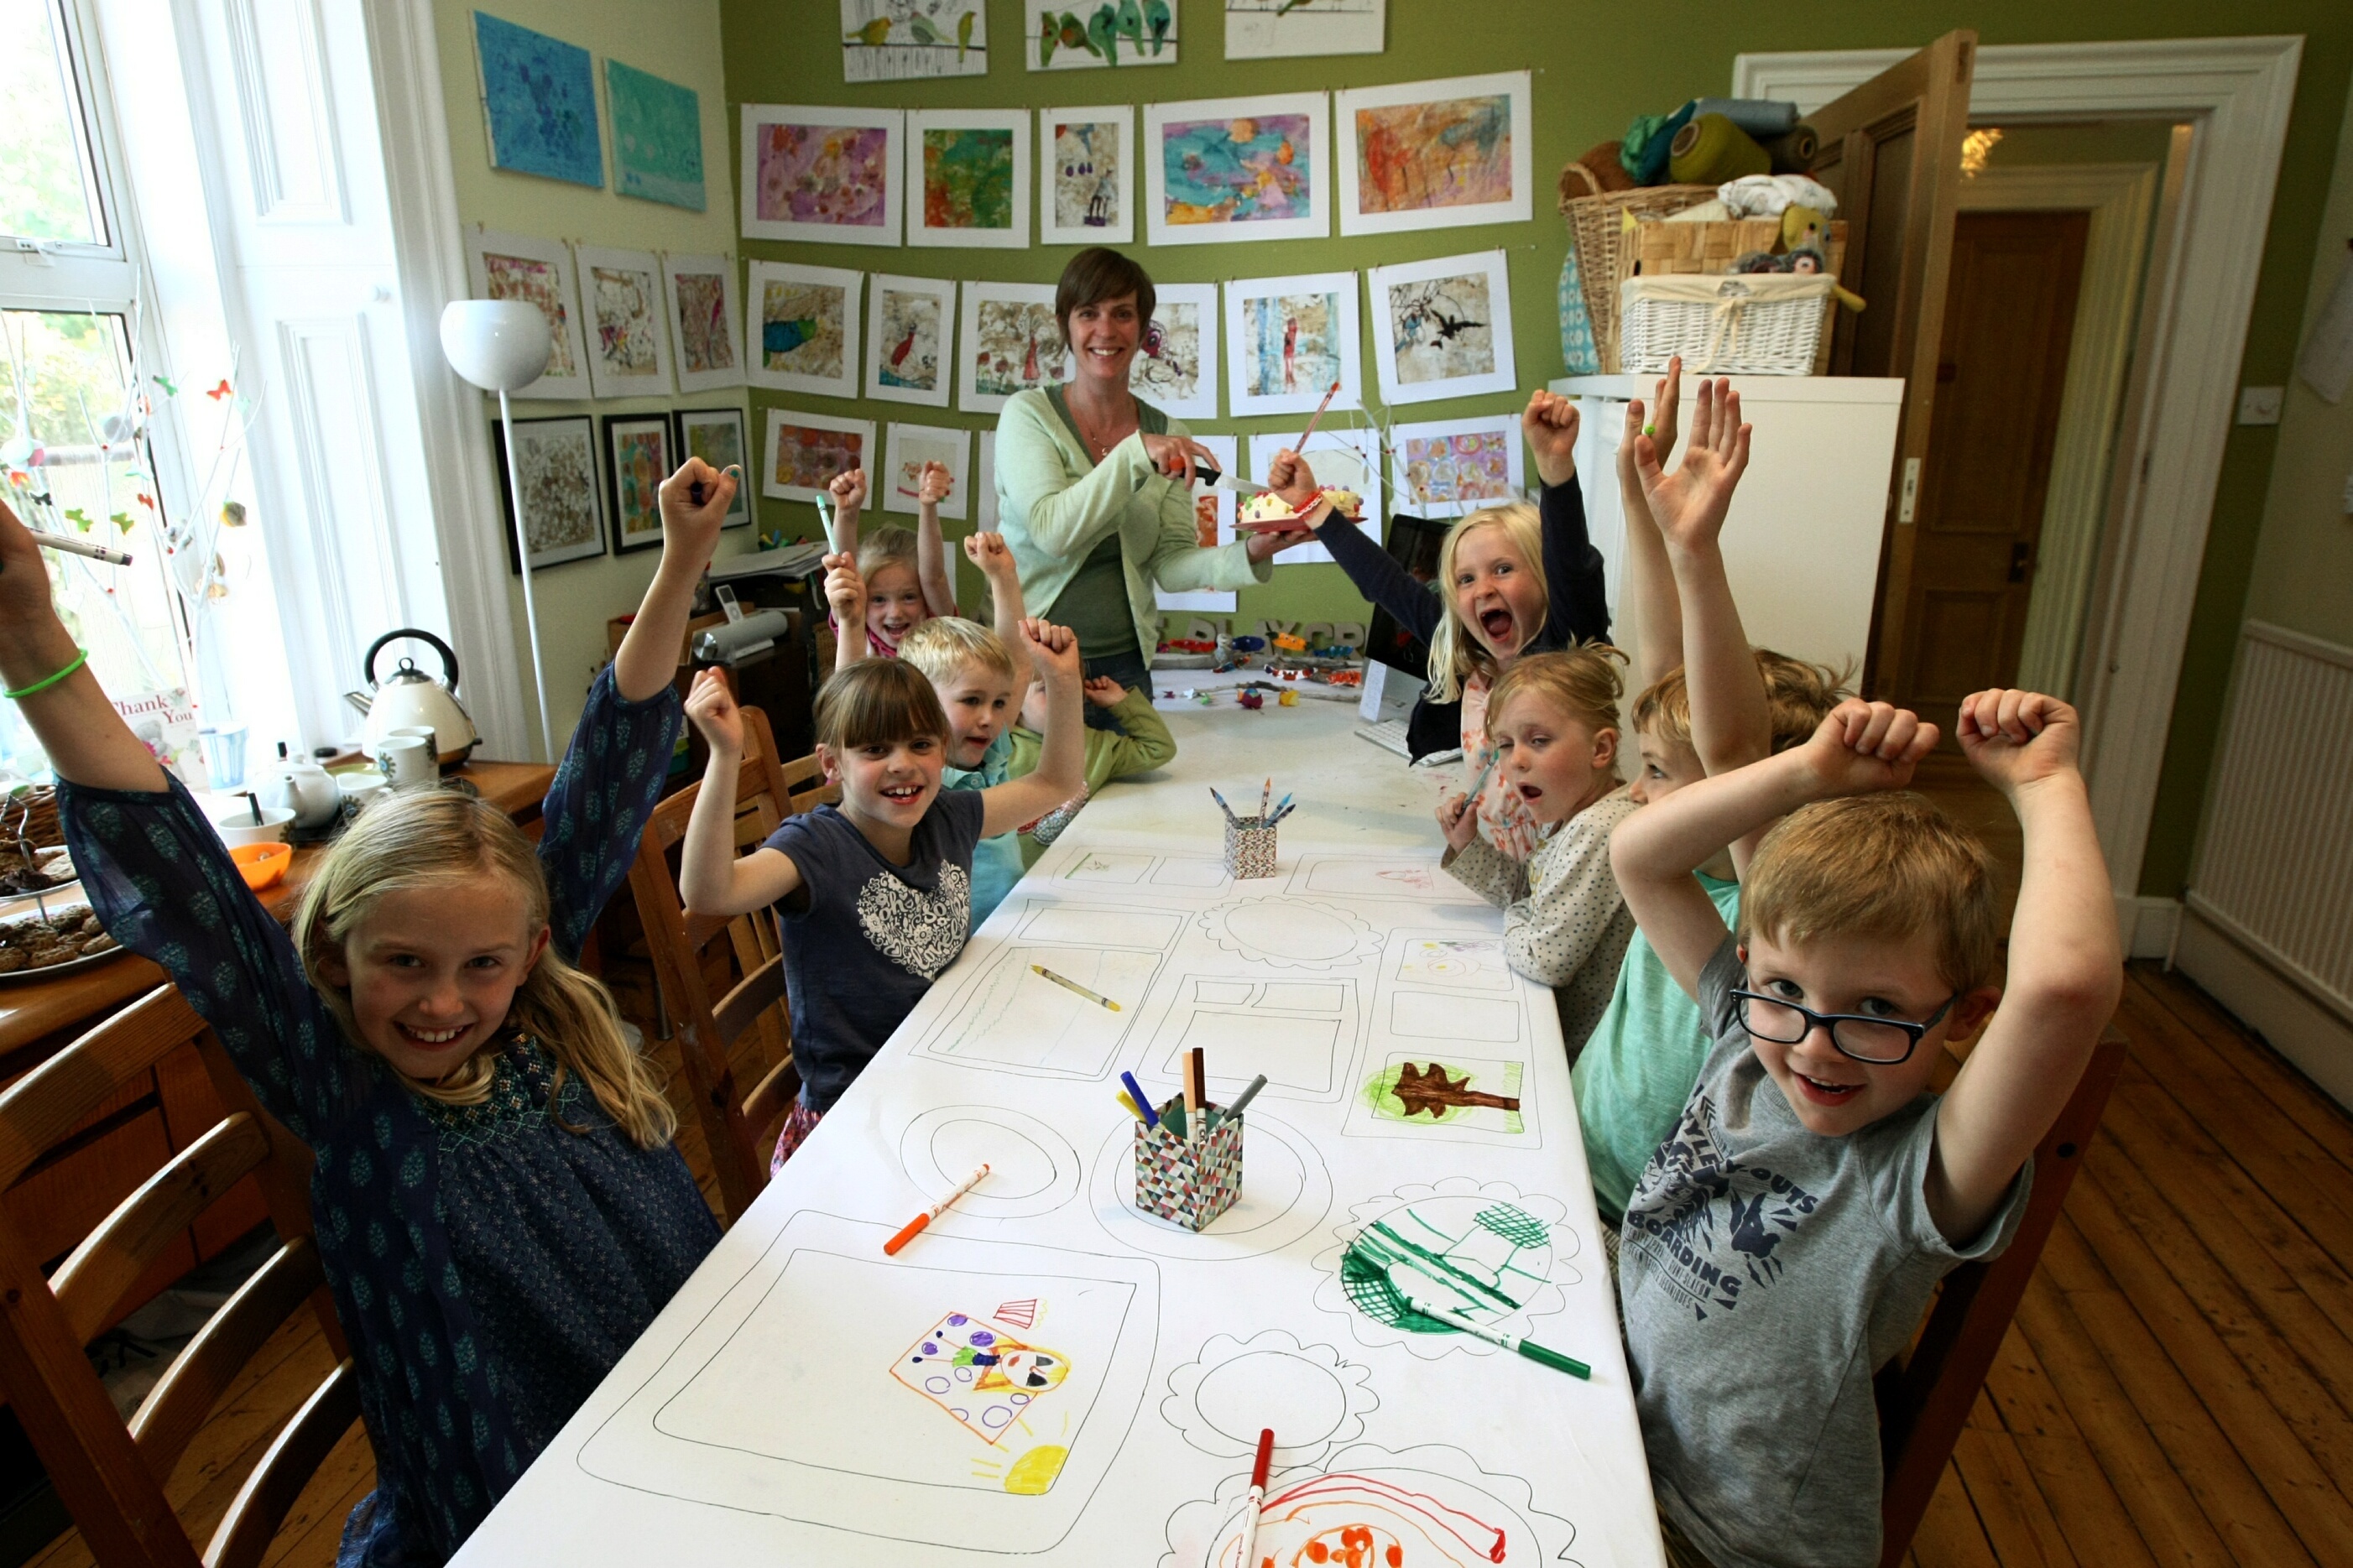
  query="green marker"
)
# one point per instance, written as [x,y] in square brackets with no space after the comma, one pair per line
[1527,1348]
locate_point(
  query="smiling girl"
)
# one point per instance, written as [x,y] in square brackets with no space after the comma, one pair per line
[500,1211]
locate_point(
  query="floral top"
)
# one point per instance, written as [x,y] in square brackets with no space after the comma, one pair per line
[489,1265]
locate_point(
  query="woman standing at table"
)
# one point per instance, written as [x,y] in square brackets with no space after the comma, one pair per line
[1094,486]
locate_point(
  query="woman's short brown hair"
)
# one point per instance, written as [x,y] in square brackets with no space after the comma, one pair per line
[1096,274]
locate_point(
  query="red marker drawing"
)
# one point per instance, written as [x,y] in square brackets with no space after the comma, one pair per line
[914,1226]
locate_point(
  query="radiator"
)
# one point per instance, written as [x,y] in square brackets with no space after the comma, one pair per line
[2275,865]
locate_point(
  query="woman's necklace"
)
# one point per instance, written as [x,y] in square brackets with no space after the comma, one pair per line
[1100,445]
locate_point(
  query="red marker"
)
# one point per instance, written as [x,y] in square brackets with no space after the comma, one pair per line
[1257,1495]
[914,1226]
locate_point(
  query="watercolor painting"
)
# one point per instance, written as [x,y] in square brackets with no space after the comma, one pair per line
[1289,339]
[1087,195]
[1435,155]
[803,327]
[899,40]
[538,283]
[562,507]
[1443,328]
[910,323]
[627,349]
[971,183]
[657,137]
[718,436]
[821,174]
[1176,367]
[1278,29]
[806,450]
[537,272]
[539,95]
[907,447]
[637,458]
[1236,170]
[1455,465]
[1097,35]
[703,322]
[1011,344]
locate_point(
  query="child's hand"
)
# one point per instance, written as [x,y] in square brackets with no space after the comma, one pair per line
[1690,504]
[691,528]
[1289,476]
[1550,423]
[845,590]
[1864,747]
[934,484]
[1657,421]
[848,489]
[990,554]
[1458,821]
[1053,650]
[2017,738]
[1104,692]
[712,707]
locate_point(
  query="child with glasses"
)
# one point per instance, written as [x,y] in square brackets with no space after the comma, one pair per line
[1784,1239]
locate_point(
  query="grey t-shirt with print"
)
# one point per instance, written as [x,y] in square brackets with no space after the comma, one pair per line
[1765,1271]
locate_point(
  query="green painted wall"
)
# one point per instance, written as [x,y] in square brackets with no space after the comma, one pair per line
[1597,66]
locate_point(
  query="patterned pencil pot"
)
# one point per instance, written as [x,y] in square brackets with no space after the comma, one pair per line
[1250,848]
[1188,1184]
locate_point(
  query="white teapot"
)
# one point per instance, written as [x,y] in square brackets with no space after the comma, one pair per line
[411,697]
[304,788]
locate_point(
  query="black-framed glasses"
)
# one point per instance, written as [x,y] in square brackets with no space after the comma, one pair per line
[1881,1042]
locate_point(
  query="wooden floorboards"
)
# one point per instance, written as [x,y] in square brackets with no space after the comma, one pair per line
[2176,1392]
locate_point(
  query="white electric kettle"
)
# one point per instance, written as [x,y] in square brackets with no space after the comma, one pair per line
[411,697]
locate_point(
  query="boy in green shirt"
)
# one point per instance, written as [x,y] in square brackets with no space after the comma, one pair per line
[1146,745]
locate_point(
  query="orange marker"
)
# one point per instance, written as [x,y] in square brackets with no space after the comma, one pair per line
[914,1226]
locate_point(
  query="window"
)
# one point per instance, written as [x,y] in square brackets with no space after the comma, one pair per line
[48,177]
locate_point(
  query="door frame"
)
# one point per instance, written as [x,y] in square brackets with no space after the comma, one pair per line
[2237,94]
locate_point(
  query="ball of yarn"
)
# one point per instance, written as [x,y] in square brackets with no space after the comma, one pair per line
[1711,150]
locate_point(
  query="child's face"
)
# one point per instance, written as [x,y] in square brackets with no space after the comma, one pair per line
[894,601]
[1554,762]
[1496,594]
[432,971]
[890,782]
[1893,977]
[980,703]
[1667,766]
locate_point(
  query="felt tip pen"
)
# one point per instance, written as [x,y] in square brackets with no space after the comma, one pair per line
[1528,1348]
[914,1226]
[1223,807]
[1073,987]
[1245,1096]
[1143,1100]
[1130,1106]
[69,545]
[1259,1469]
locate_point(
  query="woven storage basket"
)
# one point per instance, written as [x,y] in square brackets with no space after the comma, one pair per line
[1596,223]
[1758,323]
[1656,249]
[31,814]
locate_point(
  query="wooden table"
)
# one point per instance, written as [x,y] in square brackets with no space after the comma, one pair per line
[785,1406]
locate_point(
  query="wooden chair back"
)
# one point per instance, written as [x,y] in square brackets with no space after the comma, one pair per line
[110,1476]
[723,979]
[1925,1398]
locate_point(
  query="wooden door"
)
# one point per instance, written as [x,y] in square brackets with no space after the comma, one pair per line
[1892,152]
[2009,318]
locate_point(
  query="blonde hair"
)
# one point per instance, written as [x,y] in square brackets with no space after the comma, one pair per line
[432,838]
[942,647]
[1879,866]
[1582,682]
[1455,655]
[877,702]
[1798,697]
[889,545]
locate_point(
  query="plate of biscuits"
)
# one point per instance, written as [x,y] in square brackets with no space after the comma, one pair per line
[64,941]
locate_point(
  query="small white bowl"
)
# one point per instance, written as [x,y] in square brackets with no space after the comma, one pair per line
[362,788]
[238,826]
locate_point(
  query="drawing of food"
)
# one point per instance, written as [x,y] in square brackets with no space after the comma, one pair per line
[973,1368]
[1427,1507]
[1360,1521]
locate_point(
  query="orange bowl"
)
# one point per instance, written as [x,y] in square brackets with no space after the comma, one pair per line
[261,865]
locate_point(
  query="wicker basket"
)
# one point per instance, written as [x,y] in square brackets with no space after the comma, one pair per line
[1595,226]
[31,814]
[1658,248]
[1764,323]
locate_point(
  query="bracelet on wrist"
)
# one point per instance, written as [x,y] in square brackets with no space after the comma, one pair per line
[80,657]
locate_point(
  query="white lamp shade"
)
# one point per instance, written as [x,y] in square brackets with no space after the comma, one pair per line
[500,345]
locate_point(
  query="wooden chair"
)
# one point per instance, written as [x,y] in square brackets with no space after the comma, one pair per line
[722,980]
[111,1477]
[1925,1398]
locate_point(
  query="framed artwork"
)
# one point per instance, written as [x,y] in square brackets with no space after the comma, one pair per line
[984,486]
[804,451]
[639,457]
[969,178]
[1443,328]
[1086,175]
[1344,459]
[1435,155]
[1091,37]
[539,101]
[656,138]
[1451,467]
[1213,524]
[1010,342]
[539,271]
[1176,368]
[829,174]
[704,321]
[801,326]
[909,448]
[719,436]
[1280,30]
[563,506]
[1288,340]
[900,40]
[628,352]
[1237,170]
[910,339]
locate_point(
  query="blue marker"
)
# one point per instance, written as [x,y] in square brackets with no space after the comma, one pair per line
[1143,1100]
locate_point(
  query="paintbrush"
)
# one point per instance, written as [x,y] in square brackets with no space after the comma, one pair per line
[1317,418]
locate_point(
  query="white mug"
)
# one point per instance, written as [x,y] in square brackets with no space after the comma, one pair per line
[426,732]
[408,761]
[359,789]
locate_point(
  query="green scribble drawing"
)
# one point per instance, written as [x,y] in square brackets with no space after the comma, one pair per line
[969,179]
[1450,1254]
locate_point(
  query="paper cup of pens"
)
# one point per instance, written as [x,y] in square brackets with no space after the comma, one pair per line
[1250,840]
[1189,1152]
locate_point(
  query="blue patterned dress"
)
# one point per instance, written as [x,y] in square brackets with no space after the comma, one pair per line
[489,1266]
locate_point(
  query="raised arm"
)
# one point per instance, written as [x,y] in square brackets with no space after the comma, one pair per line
[845,594]
[848,489]
[933,573]
[86,739]
[1061,755]
[711,880]
[647,659]
[1413,604]
[1649,577]
[2065,963]
[988,552]
[1576,587]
